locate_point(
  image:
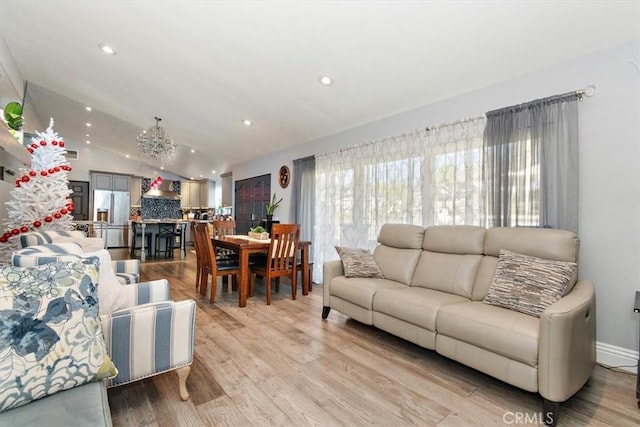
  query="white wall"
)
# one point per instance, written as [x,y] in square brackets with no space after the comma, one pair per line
[609,167]
[90,159]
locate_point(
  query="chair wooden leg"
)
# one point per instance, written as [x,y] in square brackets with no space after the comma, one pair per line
[267,286]
[234,283]
[294,284]
[204,278]
[277,284]
[183,373]
[214,289]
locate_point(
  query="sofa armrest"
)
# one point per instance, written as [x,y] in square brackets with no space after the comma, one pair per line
[150,339]
[567,343]
[146,292]
[330,269]
[129,266]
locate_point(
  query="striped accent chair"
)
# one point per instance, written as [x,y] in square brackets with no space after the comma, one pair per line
[150,335]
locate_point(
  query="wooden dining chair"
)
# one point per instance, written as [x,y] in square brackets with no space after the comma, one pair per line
[210,265]
[199,253]
[281,259]
[224,228]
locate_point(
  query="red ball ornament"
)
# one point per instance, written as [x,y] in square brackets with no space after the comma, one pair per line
[61,143]
[30,150]
[54,142]
[69,168]
[6,235]
[17,183]
[24,229]
[43,143]
[3,240]
[63,211]
[25,179]
[15,231]
[34,146]
[57,169]
[48,219]
[32,173]
[37,224]
[43,173]
[57,215]
[51,170]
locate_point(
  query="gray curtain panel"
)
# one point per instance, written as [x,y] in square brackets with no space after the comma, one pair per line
[530,164]
[303,196]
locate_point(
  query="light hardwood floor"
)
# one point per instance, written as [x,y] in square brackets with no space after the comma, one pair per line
[283,365]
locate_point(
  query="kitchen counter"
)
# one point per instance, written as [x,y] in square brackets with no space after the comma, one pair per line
[153,225]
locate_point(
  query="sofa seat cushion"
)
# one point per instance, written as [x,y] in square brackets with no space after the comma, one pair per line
[80,406]
[505,332]
[417,306]
[360,291]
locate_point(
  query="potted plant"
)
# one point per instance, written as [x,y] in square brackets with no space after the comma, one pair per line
[271,207]
[258,233]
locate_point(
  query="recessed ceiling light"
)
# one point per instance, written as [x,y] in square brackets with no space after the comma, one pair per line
[213,171]
[107,49]
[193,151]
[191,178]
[161,167]
[247,122]
[126,155]
[88,142]
[88,108]
[326,80]
[88,125]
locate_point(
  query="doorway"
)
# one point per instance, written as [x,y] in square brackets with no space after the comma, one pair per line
[252,195]
[80,198]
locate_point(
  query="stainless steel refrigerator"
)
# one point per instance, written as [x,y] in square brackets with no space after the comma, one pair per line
[113,208]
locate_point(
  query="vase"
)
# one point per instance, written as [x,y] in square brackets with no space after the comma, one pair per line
[269,223]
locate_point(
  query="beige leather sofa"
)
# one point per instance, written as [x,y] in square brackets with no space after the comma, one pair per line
[432,295]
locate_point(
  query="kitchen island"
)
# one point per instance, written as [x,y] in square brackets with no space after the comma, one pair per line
[153,225]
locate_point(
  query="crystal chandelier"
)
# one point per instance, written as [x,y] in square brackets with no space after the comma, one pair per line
[155,143]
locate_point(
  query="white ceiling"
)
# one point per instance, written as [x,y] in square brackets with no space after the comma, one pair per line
[204,66]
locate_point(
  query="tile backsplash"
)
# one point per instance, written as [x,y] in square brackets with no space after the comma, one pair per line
[159,208]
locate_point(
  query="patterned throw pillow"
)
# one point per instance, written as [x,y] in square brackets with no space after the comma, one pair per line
[110,291]
[50,335]
[529,284]
[358,263]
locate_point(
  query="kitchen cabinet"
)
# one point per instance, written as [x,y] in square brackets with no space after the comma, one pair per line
[190,194]
[198,194]
[207,194]
[114,182]
[136,191]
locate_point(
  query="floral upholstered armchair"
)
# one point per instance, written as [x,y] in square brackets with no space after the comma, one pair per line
[146,333]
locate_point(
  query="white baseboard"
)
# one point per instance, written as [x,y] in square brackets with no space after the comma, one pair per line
[611,355]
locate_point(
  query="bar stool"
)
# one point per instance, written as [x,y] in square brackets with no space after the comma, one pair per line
[168,233]
[137,233]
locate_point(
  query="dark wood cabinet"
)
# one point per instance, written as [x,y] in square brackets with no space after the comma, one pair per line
[251,197]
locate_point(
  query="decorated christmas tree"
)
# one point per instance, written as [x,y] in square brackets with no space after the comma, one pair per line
[40,198]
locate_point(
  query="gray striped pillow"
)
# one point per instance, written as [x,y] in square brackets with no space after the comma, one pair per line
[529,284]
[358,263]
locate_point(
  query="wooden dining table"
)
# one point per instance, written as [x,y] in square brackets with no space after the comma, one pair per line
[245,246]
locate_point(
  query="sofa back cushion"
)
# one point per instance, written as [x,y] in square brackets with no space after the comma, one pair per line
[450,260]
[546,243]
[34,238]
[399,250]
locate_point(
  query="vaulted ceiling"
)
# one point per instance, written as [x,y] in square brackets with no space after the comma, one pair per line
[205,66]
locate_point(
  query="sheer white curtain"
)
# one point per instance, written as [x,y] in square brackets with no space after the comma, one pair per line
[423,177]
